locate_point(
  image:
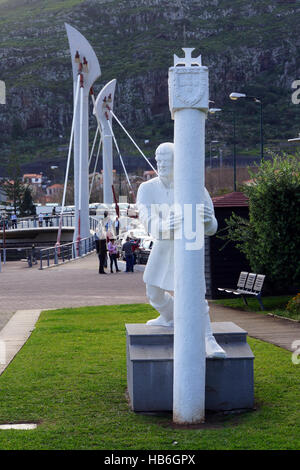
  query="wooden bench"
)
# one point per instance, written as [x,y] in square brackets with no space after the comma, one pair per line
[248,284]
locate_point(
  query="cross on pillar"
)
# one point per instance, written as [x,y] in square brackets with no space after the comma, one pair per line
[188,60]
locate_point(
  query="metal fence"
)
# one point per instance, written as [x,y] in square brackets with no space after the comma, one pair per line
[60,254]
[67,221]
[14,254]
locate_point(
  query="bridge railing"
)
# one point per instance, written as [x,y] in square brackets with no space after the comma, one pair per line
[50,221]
[94,222]
[35,222]
[16,253]
[60,254]
[68,220]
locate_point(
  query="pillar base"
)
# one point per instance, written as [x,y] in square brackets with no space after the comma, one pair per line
[229,381]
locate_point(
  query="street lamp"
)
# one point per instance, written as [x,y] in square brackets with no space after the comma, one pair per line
[214,110]
[210,148]
[296,139]
[236,96]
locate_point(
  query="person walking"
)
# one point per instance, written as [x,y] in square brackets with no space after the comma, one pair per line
[127,248]
[41,218]
[135,249]
[117,226]
[113,252]
[101,250]
[33,254]
[14,220]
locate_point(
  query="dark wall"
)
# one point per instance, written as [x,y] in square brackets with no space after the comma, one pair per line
[227,263]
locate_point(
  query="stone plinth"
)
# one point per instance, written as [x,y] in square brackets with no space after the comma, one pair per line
[229,381]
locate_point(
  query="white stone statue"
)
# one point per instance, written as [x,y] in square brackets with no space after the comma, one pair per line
[159,272]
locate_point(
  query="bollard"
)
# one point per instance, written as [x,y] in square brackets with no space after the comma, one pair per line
[55,256]
[29,261]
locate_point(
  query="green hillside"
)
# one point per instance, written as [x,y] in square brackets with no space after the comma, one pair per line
[249,46]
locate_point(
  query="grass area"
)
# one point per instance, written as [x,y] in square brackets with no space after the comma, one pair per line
[273,304]
[71,378]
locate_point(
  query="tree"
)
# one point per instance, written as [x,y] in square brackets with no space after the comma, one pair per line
[13,186]
[27,206]
[270,239]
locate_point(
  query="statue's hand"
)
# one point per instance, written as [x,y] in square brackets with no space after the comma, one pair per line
[210,222]
[170,225]
[175,222]
[208,215]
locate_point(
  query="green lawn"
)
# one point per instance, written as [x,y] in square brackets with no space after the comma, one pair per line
[274,304]
[71,378]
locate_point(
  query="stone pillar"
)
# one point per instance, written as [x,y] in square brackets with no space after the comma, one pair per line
[104,102]
[188,100]
[85,63]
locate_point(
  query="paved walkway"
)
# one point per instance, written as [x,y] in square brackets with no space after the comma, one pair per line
[15,333]
[75,284]
[25,292]
[273,330]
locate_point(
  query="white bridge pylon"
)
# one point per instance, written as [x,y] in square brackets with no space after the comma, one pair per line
[86,70]
[105,100]
[86,66]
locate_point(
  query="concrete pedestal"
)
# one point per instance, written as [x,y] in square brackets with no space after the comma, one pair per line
[229,381]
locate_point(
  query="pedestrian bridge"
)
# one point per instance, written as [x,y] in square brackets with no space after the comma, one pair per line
[43,233]
[47,224]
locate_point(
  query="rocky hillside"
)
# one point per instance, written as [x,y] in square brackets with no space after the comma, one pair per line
[249,46]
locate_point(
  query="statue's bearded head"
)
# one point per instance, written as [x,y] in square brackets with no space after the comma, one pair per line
[164,157]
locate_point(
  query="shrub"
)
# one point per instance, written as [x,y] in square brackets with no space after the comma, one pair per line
[293,306]
[270,239]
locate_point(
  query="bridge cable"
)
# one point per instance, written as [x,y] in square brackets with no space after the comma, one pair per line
[95,167]
[119,153]
[132,140]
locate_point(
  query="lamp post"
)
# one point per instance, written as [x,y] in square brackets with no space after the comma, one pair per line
[2,92]
[234,149]
[212,111]
[3,101]
[210,148]
[215,110]
[236,96]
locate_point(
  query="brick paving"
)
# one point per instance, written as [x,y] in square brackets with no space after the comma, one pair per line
[75,284]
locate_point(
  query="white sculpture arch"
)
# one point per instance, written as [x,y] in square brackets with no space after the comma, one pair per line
[86,70]
[104,102]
